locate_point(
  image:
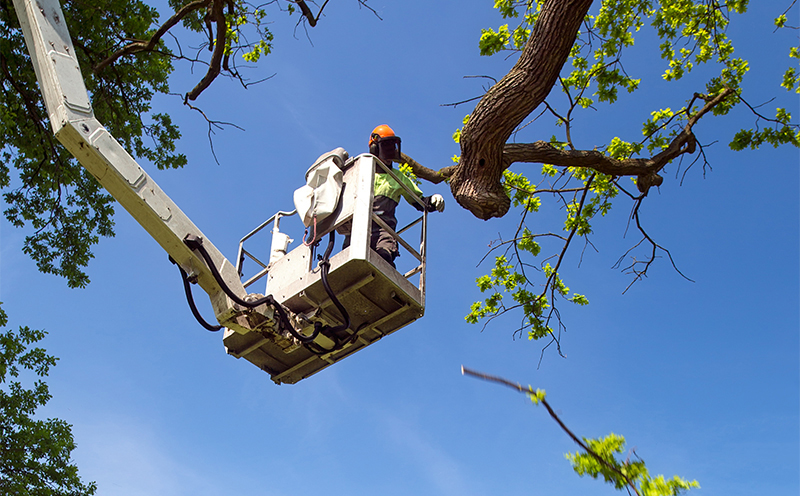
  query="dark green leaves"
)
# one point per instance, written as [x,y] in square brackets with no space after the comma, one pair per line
[34,454]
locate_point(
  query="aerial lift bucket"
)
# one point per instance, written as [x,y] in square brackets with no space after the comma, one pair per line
[379,299]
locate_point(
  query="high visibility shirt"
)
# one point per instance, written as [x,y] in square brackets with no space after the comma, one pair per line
[385,185]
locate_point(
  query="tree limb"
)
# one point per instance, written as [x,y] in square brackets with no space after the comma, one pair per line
[309,15]
[149,45]
[476,182]
[217,15]
[529,391]
[429,175]
[646,169]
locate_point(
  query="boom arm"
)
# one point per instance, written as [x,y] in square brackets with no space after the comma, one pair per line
[74,125]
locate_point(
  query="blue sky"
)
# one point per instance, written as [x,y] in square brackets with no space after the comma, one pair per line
[702,378]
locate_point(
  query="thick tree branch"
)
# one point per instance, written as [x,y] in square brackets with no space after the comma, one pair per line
[216,15]
[485,153]
[476,182]
[646,169]
[149,45]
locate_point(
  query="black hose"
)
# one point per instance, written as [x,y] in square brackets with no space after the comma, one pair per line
[196,243]
[325,266]
[188,290]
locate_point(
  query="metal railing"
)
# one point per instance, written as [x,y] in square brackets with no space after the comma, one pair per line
[242,252]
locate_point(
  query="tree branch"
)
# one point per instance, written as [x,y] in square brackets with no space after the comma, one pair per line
[149,45]
[646,169]
[309,15]
[529,392]
[476,182]
[427,174]
[217,15]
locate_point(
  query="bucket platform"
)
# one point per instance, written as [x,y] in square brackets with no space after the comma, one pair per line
[379,299]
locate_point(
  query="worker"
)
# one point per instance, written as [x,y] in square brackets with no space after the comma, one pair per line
[385,144]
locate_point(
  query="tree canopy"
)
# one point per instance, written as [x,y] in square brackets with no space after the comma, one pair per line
[35,453]
[690,37]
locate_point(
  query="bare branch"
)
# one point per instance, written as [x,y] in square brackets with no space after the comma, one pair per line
[308,14]
[633,268]
[212,125]
[363,3]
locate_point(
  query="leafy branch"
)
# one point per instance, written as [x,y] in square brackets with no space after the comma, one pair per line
[598,457]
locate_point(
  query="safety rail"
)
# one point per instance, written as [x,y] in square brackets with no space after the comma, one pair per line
[242,252]
[396,234]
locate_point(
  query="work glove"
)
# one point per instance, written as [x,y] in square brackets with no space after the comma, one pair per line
[437,202]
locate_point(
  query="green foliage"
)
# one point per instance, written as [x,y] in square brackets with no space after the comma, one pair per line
[65,209]
[509,274]
[407,171]
[791,78]
[457,136]
[521,191]
[238,23]
[622,473]
[507,278]
[690,34]
[53,194]
[536,395]
[780,133]
[492,41]
[34,454]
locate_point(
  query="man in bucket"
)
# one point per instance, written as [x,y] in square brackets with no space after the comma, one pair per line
[385,144]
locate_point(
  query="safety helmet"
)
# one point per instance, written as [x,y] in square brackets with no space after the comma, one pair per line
[384,144]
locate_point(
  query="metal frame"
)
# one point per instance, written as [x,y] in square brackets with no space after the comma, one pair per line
[242,253]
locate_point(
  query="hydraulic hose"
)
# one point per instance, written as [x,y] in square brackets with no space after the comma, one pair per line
[188,290]
[196,243]
[325,266]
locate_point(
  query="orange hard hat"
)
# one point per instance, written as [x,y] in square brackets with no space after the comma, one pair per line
[384,144]
[382,131]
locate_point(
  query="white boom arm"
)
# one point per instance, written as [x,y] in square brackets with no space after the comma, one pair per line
[75,126]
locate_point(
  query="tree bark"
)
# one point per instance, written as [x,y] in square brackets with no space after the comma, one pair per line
[476,182]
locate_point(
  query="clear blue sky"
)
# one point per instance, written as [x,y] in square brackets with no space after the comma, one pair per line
[702,378]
